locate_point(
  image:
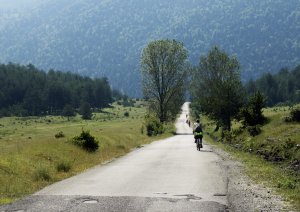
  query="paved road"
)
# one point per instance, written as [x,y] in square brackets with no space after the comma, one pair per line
[167,175]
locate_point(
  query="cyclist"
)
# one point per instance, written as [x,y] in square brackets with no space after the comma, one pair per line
[198,134]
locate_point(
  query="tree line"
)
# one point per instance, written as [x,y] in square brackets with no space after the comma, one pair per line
[28,91]
[283,87]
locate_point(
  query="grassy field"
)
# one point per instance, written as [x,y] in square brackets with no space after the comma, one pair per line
[271,157]
[31,157]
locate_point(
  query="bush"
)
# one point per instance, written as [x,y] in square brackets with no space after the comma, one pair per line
[86,141]
[237,131]
[126,114]
[60,134]
[254,130]
[295,114]
[288,119]
[153,125]
[63,166]
[42,173]
[228,137]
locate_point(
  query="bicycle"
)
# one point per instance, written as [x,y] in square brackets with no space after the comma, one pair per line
[199,143]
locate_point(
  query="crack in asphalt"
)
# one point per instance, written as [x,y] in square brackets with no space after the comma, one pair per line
[189,196]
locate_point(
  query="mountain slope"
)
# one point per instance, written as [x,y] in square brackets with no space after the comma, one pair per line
[106,37]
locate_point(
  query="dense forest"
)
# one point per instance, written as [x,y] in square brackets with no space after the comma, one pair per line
[106,38]
[26,90]
[283,87]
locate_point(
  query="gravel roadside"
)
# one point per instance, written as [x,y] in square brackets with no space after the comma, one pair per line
[243,193]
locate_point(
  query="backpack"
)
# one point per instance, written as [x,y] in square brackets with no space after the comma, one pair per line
[198,133]
[198,129]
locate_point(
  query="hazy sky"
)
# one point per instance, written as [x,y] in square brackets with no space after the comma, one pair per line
[15,4]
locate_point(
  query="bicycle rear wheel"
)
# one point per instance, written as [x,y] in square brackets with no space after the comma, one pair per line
[198,144]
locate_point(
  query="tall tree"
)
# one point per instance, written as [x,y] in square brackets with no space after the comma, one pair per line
[252,113]
[163,68]
[68,111]
[85,111]
[217,88]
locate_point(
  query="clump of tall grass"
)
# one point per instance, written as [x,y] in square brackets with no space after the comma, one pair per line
[60,134]
[42,173]
[63,166]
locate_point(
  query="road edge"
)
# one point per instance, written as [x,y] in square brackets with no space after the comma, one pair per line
[244,194]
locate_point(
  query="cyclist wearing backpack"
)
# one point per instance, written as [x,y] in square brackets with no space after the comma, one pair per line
[198,134]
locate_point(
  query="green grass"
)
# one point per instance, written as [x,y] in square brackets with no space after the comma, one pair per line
[31,157]
[63,166]
[277,137]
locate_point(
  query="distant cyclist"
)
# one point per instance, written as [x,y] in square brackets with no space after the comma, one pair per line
[198,134]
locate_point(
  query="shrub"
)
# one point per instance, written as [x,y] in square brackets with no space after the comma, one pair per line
[287,119]
[289,143]
[63,166]
[237,131]
[254,130]
[153,125]
[86,141]
[228,137]
[295,114]
[126,114]
[60,134]
[42,173]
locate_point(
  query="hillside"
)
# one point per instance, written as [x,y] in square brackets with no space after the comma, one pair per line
[99,38]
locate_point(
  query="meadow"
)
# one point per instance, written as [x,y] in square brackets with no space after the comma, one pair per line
[271,158]
[36,151]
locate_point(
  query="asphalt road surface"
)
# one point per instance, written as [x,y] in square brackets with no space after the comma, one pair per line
[167,175]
